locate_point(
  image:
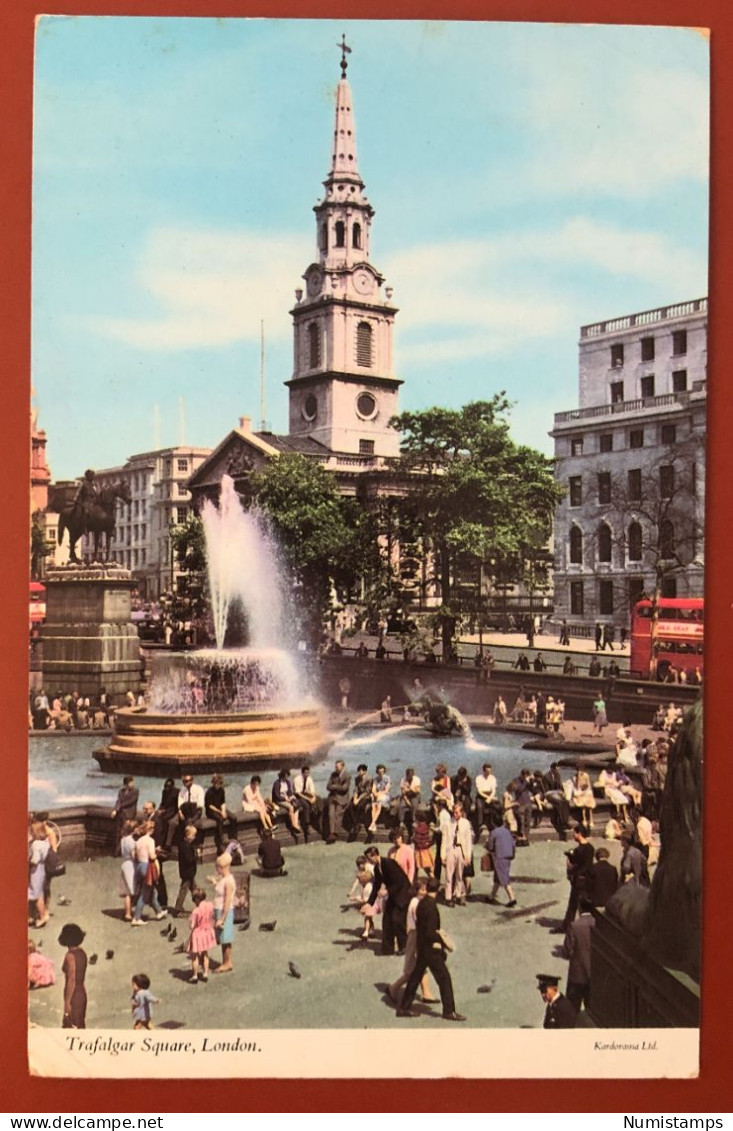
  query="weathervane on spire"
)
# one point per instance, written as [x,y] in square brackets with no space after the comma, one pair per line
[345,50]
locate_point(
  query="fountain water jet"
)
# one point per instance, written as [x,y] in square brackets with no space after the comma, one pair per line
[220,709]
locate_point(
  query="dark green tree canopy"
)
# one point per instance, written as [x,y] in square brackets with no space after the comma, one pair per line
[476,491]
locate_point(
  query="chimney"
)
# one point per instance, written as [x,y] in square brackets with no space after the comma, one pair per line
[245,423]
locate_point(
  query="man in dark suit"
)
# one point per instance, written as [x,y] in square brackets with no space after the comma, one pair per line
[577,949]
[552,788]
[580,862]
[337,787]
[430,956]
[603,879]
[560,1013]
[399,893]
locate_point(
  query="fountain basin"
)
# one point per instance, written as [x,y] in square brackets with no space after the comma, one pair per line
[165,745]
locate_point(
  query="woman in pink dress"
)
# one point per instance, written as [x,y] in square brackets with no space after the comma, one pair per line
[202,936]
[254,802]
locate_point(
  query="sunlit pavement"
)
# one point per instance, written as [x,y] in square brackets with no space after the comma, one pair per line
[343,980]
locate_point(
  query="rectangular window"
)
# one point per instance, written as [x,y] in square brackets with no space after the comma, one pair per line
[604,487]
[605,597]
[679,342]
[182,488]
[181,515]
[366,447]
[666,481]
[617,355]
[575,484]
[617,392]
[168,467]
[636,588]
[636,438]
[669,586]
[669,433]
[679,381]
[647,349]
[576,598]
[576,446]
[182,464]
[635,485]
[607,442]
[647,386]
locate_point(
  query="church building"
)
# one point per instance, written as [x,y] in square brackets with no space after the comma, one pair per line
[343,390]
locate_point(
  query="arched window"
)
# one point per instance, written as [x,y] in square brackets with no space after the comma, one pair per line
[356,235]
[323,237]
[604,543]
[576,545]
[666,540]
[314,345]
[340,234]
[364,345]
[634,548]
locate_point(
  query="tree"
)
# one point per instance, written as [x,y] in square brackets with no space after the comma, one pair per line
[656,521]
[475,492]
[322,536]
[189,545]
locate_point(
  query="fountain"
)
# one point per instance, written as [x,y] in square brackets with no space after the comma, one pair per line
[222,708]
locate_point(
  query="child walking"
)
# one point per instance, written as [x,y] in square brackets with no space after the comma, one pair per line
[142,1002]
[202,936]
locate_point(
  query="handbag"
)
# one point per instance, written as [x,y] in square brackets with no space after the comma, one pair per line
[54,864]
[469,870]
[487,863]
[152,874]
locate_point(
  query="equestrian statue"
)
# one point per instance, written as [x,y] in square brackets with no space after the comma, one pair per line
[92,512]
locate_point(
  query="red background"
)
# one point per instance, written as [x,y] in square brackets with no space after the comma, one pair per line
[20,1092]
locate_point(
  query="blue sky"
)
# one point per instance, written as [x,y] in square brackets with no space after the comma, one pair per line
[527,179]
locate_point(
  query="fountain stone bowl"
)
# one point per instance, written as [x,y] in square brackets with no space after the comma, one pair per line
[216,711]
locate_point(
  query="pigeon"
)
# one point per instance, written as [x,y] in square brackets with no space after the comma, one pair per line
[486,989]
[93,959]
[109,955]
[294,971]
[63,901]
[166,931]
[268,926]
[180,949]
[173,935]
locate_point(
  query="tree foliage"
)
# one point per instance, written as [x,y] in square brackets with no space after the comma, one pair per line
[323,536]
[189,545]
[474,490]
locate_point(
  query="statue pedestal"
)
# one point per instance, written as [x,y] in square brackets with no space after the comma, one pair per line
[631,990]
[89,639]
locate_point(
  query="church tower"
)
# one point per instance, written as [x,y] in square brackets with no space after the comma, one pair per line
[343,390]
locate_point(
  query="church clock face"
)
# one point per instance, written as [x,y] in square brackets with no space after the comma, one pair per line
[363,281]
[314,281]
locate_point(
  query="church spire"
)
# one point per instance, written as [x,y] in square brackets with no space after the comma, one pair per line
[343,391]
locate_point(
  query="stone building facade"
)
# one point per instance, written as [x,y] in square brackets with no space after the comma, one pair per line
[158,483]
[632,460]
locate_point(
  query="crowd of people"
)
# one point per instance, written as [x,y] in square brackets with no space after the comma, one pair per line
[69,710]
[433,830]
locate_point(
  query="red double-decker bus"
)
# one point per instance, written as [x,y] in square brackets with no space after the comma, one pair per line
[678,638]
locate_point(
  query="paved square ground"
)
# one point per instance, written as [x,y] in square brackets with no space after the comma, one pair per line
[343,980]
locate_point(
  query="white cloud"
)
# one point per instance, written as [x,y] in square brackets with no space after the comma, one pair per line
[485,297]
[211,288]
[626,130]
[462,298]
